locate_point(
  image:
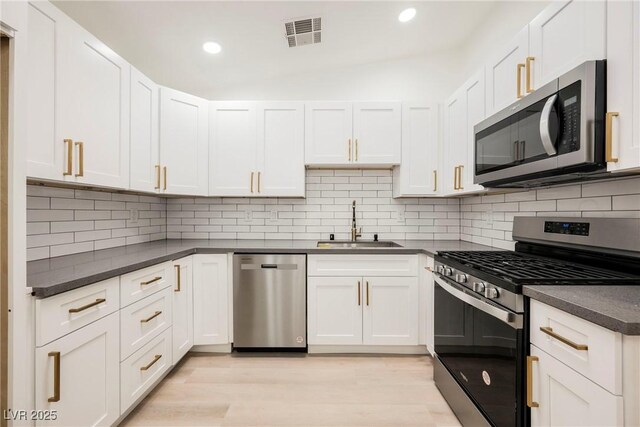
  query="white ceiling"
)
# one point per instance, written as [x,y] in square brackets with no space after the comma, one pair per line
[164,38]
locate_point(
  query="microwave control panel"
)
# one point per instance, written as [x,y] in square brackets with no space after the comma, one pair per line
[568,105]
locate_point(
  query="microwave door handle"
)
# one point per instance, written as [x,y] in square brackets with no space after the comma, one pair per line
[511,319]
[545,133]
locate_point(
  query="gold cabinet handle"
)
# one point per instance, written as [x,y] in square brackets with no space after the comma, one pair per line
[80,146]
[460,186]
[349,150]
[148,282]
[519,80]
[153,362]
[251,178]
[258,181]
[84,307]
[549,331]
[177,267]
[150,318]
[528,86]
[164,169]
[367,293]
[435,180]
[56,376]
[356,149]
[157,186]
[359,298]
[455,178]
[609,136]
[69,144]
[530,402]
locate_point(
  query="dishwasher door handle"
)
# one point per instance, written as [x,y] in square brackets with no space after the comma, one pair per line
[269,266]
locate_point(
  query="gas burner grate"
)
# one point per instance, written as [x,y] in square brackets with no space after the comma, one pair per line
[525,269]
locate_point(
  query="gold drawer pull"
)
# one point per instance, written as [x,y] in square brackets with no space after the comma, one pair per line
[164,186]
[251,182]
[258,181]
[549,331]
[367,292]
[157,186]
[356,149]
[69,170]
[153,316]
[530,402]
[519,81]
[359,301]
[148,282]
[178,279]
[80,158]
[609,137]
[153,362]
[460,186]
[435,180]
[84,307]
[349,152]
[56,376]
[528,86]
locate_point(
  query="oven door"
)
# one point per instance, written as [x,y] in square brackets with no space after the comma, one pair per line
[482,346]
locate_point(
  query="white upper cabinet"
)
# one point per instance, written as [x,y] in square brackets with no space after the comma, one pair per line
[144,163]
[232,162]
[377,130]
[418,172]
[353,134]
[505,71]
[79,96]
[623,85]
[328,133]
[280,150]
[183,143]
[563,36]
[454,147]
[475,107]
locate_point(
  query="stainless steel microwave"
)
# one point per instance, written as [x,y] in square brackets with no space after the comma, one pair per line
[555,134]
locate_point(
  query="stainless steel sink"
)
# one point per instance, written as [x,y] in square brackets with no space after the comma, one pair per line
[328,244]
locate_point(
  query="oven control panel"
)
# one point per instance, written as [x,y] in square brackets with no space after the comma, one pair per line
[573,228]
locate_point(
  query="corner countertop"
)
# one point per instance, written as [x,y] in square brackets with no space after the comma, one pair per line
[51,276]
[613,307]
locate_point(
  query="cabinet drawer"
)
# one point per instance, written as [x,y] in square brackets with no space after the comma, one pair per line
[143,320]
[64,313]
[601,361]
[138,284]
[362,265]
[142,369]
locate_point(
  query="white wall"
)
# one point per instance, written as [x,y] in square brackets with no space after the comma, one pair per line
[410,79]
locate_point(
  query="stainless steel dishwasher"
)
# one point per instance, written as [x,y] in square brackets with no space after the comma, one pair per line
[269,301]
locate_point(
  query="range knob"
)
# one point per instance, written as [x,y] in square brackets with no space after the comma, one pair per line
[479,287]
[448,271]
[441,269]
[491,293]
[461,278]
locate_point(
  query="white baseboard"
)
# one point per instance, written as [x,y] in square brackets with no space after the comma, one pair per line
[367,349]
[211,348]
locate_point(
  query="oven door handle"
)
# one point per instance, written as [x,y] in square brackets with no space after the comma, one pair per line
[545,133]
[511,319]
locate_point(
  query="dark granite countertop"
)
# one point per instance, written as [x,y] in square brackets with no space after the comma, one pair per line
[613,307]
[52,276]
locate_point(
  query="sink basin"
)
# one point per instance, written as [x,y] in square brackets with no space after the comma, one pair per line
[359,244]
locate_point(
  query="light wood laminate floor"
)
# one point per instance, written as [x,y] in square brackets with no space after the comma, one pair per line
[310,390]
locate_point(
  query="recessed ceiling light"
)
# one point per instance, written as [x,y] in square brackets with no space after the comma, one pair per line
[407,15]
[212,47]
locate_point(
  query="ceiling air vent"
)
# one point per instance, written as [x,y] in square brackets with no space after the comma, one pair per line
[300,32]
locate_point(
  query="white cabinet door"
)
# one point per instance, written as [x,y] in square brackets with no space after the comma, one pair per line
[45,153]
[455,149]
[280,149]
[86,363]
[563,36]
[334,310]
[503,73]
[144,163]
[377,133]
[182,308]
[232,162]
[566,398]
[623,83]
[184,143]
[210,299]
[475,105]
[429,303]
[328,133]
[92,107]
[391,311]
[418,173]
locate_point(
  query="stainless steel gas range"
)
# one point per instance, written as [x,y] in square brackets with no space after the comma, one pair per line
[481,316]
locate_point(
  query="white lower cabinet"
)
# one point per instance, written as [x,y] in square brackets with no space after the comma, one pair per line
[566,398]
[142,369]
[77,376]
[182,308]
[210,299]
